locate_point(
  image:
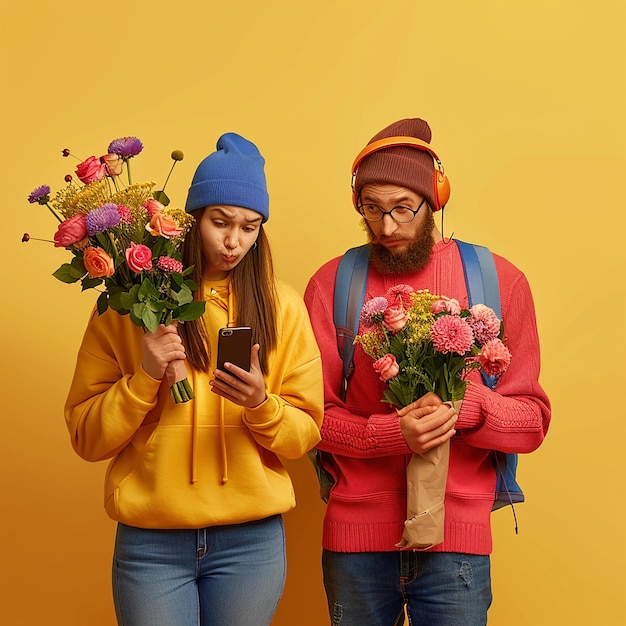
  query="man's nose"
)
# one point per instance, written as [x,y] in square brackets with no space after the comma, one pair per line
[389,225]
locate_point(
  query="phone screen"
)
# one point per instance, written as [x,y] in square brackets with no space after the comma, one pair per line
[234,345]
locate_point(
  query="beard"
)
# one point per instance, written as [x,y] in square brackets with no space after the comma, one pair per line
[413,259]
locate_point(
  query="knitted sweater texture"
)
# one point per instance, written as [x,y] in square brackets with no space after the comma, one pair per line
[362,444]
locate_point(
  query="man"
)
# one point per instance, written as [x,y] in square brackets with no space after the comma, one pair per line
[366,447]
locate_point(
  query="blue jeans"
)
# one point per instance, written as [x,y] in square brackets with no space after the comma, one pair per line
[222,575]
[372,588]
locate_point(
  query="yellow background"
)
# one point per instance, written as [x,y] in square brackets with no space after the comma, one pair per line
[526,101]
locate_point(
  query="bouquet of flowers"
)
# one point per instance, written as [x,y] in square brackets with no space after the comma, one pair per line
[422,342]
[125,242]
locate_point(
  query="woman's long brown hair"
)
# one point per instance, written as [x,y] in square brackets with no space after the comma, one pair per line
[254,290]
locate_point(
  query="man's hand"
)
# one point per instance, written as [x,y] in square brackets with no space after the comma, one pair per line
[427,423]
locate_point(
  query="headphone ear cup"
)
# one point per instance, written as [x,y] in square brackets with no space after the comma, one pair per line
[441,189]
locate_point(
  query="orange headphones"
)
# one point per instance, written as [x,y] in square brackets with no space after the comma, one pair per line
[441,184]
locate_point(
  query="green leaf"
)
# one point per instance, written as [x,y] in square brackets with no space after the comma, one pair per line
[135,314]
[90,283]
[161,196]
[102,302]
[149,319]
[157,307]
[147,291]
[176,279]
[105,242]
[391,398]
[191,311]
[184,296]
[67,274]
[127,299]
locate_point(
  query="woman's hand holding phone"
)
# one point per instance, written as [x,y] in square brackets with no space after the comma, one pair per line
[232,382]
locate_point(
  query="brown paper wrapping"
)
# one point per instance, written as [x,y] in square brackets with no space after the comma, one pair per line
[426,476]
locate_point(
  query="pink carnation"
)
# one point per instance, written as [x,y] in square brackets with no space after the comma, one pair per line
[400,295]
[484,323]
[451,333]
[494,357]
[126,217]
[168,264]
[446,305]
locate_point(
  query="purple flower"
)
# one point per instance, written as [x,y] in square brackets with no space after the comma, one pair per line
[126,147]
[105,216]
[373,311]
[40,195]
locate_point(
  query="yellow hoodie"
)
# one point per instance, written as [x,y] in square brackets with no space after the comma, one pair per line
[208,461]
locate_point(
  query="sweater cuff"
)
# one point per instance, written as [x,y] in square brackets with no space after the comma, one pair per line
[265,412]
[385,430]
[471,414]
[143,386]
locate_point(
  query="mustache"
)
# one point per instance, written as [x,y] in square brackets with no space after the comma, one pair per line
[385,238]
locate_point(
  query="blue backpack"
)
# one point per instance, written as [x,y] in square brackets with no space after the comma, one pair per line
[482,284]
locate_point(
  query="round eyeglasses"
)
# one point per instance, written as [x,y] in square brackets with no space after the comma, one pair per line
[399,214]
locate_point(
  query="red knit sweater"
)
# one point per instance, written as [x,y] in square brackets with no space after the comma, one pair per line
[367,506]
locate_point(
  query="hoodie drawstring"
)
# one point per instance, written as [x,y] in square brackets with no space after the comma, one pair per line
[231,321]
[222,425]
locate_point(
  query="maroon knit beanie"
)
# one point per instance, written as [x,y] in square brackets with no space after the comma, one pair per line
[403,166]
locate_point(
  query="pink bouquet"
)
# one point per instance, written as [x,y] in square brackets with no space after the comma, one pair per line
[125,243]
[421,342]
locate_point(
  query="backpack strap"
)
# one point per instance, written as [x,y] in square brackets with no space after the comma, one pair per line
[350,285]
[481,279]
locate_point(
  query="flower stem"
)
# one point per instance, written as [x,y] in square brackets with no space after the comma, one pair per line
[182,391]
[53,212]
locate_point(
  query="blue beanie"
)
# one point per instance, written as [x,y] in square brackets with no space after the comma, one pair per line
[233,176]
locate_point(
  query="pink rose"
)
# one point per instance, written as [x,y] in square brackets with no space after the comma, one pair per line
[395,318]
[138,257]
[113,164]
[98,263]
[162,225]
[90,170]
[494,357]
[70,232]
[446,305]
[386,367]
[152,206]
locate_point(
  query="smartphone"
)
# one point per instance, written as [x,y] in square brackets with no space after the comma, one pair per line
[234,345]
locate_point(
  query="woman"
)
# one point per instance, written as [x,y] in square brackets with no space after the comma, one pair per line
[197,488]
